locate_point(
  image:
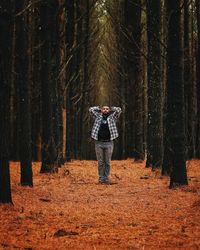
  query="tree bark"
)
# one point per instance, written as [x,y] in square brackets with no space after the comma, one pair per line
[188,84]
[155,105]
[49,154]
[138,150]
[5,80]
[198,81]
[175,117]
[35,70]
[23,83]
[69,75]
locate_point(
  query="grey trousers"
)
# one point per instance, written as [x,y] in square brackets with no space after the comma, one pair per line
[104,152]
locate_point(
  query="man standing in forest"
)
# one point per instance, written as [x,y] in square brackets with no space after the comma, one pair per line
[104,131]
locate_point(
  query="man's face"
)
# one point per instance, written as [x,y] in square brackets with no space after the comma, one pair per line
[105,110]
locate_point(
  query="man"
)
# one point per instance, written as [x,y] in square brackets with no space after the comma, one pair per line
[104,131]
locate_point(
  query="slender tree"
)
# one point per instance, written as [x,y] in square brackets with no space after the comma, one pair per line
[131,81]
[49,153]
[84,150]
[175,119]
[61,77]
[23,83]
[69,74]
[5,53]
[129,77]
[154,123]
[54,80]
[122,81]
[34,78]
[138,151]
[188,83]
[198,80]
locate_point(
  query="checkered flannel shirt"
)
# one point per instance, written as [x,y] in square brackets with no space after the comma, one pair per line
[112,118]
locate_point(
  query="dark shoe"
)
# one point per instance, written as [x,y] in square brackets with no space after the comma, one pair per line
[103,181]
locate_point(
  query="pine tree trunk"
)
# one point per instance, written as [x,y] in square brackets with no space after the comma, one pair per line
[188,84]
[175,118]
[49,155]
[193,100]
[23,83]
[122,83]
[138,150]
[69,75]
[130,20]
[36,84]
[61,22]
[155,105]
[5,80]
[54,81]
[77,81]
[62,19]
[198,81]
[84,107]
[14,117]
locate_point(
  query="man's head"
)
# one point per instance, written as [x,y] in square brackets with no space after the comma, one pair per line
[105,110]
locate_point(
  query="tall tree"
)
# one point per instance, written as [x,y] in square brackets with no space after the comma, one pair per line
[175,119]
[69,74]
[5,53]
[188,83]
[54,80]
[122,81]
[130,68]
[131,81]
[138,150]
[49,151]
[23,83]
[154,123]
[61,80]
[84,148]
[34,78]
[198,80]
[77,81]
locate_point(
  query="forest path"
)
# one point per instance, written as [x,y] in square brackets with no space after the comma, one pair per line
[73,211]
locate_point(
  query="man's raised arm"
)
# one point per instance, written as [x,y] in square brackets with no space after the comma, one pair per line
[116,112]
[94,111]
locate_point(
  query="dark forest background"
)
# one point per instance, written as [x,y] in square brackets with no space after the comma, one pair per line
[59,57]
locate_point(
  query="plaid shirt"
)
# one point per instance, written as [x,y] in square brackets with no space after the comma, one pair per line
[112,118]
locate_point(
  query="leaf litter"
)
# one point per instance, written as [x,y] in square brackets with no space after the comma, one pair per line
[72,211]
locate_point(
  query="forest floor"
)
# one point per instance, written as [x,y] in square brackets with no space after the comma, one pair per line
[72,211]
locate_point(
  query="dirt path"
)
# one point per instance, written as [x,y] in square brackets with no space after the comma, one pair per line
[74,212]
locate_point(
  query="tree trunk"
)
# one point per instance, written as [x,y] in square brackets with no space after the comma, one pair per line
[122,82]
[84,107]
[54,81]
[69,75]
[5,70]
[155,105]
[198,81]
[77,81]
[138,150]
[35,69]
[188,84]
[175,117]
[23,83]
[129,70]
[49,155]
[62,18]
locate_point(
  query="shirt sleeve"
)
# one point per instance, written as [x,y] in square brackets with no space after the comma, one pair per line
[94,111]
[116,112]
